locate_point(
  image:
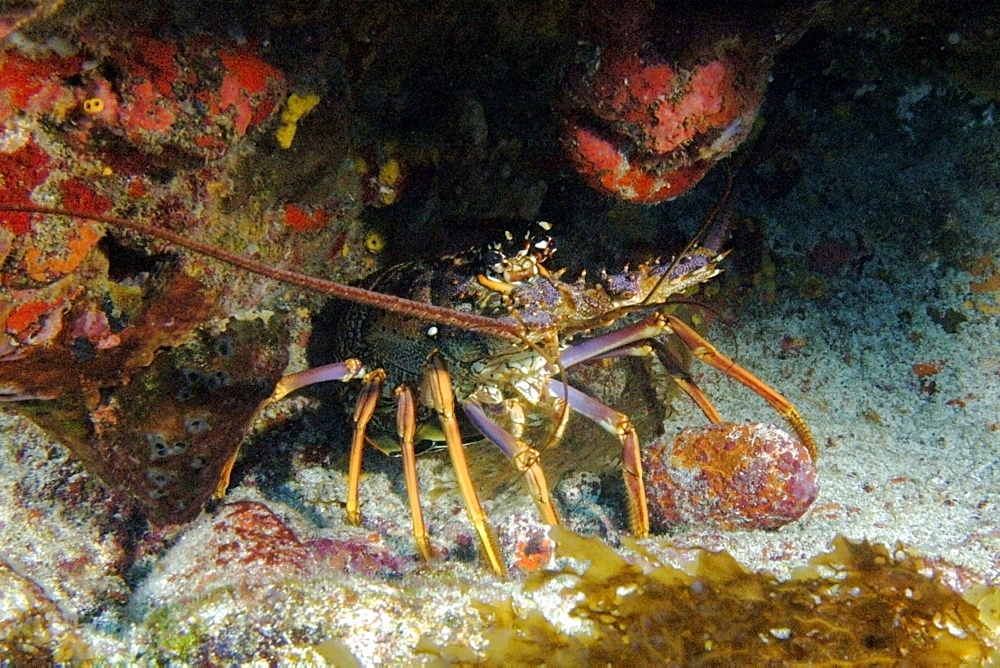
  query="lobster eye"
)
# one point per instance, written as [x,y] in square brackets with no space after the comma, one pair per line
[494,259]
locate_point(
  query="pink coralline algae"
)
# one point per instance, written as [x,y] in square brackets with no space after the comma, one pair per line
[246,544]
[737,476]
[178,103]
[249,535]
[646,130]
[242,548]
[194,100]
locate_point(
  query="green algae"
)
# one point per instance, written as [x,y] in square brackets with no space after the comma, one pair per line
[172,635]
[858,603]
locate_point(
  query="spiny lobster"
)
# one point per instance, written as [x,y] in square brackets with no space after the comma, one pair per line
[498,329]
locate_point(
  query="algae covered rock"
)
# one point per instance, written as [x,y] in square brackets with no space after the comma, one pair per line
[858,603]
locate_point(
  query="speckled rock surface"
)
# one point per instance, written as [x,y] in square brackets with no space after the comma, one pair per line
[862,284]
[748,476]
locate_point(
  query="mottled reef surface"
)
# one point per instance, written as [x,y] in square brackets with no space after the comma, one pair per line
[863,283]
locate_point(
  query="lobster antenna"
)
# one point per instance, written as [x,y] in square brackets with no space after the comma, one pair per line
[709,219]
[407,307]
[647,302]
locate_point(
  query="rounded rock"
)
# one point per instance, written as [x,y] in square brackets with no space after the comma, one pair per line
[737,476]
[646,129]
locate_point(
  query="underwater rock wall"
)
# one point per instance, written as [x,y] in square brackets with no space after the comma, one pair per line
[861,283]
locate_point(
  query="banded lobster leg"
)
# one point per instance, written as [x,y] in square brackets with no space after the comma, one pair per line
[675,369]
[625,342]
[364,408]
[524,458]
[406,425]
[617,424]
[438,383]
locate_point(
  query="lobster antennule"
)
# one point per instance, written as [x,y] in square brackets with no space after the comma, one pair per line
[408,307]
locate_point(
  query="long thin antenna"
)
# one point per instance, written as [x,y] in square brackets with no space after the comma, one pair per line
[408,307]
[695,239]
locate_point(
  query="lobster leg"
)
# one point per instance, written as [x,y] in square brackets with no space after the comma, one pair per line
[349,370]
[525,458]
[659,324]
[708,354]
[345,371]
[406,425]
[618,424]
[439,382]
[684,380]
[599,346]
[673,367]
[363,410]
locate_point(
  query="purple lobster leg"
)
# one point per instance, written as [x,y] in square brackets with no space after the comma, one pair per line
[524,458]
[647,328]
[674,368]
[659,324]
[618,424]
[639,340]
[346,371]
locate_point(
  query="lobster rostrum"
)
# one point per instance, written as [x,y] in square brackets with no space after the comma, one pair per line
[492,331]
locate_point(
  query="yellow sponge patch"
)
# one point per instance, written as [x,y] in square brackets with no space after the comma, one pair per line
[296,107]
